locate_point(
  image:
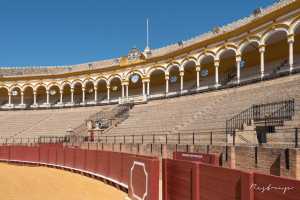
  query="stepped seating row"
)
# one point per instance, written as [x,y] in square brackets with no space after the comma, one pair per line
[207,111]
[43,122]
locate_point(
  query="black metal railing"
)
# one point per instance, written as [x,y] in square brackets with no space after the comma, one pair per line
[284,137]
[269,114]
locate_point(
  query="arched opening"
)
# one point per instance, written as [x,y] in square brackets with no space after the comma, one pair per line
[16,96]
[66,93]
[207,72]
[190,75]
[276,52]
[41,95]
[250,61]
[28,96]
[89,92]
[157,82]
[3,96]
[135,85]
[54,94]
[297,46]
[174,79]
[227,67]
[101,90]
[77,93]
[115,88]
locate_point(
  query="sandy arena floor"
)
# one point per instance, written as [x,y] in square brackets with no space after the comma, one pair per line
[42,183]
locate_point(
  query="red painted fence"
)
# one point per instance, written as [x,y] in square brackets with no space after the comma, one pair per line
[213,159]
[140,174]
[189,180]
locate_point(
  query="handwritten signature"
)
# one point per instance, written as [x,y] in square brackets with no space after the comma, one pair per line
[270,187]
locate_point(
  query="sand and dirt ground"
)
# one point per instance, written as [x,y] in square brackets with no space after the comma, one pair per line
[42,183]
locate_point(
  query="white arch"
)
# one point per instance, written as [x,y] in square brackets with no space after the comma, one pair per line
[171,65]
[270,33]
[88,81]
[40,85]
[247,43]
[99,79]
[27,86]
[205,55]
[15,87]
[63,85]
[224,50]
[190,59]
[52,85]
[77,81]
[151,70]
[115,76]
[294,26]
[138,72]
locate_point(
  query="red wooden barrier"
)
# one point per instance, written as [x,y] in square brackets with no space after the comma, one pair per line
[198,157]
[127,161]
[268,187]
[144,178]
[17,153]
[102,166]
[4,152]
[69,158]
[79,159]
[140,173]
[91,160]
[44,153]
[52,159]
[115,164]
[180,180]
[222,183]
[60,156]
[31,154]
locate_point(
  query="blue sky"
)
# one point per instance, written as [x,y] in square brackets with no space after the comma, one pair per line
[63,32]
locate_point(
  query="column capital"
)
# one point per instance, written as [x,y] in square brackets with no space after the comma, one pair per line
[167,77]
[145,79]
[262,48]
[181,73]
[238,58]
[108,86]
[217,63]
[291,38]
[198,68]
[83,88]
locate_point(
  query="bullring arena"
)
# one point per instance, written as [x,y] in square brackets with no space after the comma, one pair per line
[214,117]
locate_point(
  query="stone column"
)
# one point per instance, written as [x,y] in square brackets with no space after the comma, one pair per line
[181,80]
[47,92]
[238,68]
[126,86]
[148,87]
[96,93]
[144,88]
[61,96]
[217,63]
[198,69]
[9,98]
[34,98]
[72,95]
[83,95]
[123,88]
[167,84]
[108,93]
[262,60]
[22,98]
[291,52]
